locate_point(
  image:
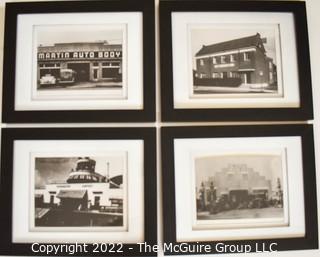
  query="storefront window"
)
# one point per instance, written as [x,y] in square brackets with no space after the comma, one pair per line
[110,73]
[115,64]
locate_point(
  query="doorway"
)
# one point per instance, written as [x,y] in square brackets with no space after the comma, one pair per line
[246,77]
[95,74]
[238,197]
[82,71]
[97,202]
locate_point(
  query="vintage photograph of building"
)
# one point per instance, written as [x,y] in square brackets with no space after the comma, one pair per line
[81,57]
[236,59]
[247,187]
[80,191]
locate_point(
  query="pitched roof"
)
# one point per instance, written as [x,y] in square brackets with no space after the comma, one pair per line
[243,42]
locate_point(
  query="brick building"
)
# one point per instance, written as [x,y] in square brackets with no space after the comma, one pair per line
[244,58]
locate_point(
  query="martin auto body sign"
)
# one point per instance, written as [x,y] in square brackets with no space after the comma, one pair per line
[85,55]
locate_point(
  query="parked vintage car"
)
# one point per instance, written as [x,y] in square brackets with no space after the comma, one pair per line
[67,76]
[48,80]
[62,78]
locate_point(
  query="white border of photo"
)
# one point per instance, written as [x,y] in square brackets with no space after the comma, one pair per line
[185,149]
[26,63]
[23,187]
[182,60]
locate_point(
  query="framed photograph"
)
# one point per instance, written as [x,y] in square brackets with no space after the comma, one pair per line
[64,187]
[246,186]
[104,72]
[234,61]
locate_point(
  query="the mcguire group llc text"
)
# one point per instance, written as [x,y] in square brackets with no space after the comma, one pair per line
[218,247]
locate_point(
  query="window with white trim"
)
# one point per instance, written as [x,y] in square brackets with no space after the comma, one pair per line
[231,58]
[201,62]
[223,59]
[246,56]
[234,74]
[214,60]
[270,76]
[215,75]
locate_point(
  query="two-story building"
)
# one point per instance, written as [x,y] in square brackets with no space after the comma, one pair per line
[244,58]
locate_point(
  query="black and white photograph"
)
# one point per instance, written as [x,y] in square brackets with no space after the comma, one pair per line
[240,190]
[236,59]
[80,191]
[77,58]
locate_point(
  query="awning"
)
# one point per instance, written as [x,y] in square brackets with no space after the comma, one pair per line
[116,181]
[74,194]
[40,212]
[260,188]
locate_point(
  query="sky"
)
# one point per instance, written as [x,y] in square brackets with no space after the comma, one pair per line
[212,35]
[269,166]
[47,35]
[50,170]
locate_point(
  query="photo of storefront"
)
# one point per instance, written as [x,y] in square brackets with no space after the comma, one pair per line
[84,197]
[85,64]
[239,187]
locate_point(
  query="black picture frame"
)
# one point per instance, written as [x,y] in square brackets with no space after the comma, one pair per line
[148,135]
[310,241]
[146,114]
[170,113]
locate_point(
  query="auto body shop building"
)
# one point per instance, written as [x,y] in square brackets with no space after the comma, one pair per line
[93,61]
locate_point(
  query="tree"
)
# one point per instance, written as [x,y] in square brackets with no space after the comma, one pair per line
[279,192]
